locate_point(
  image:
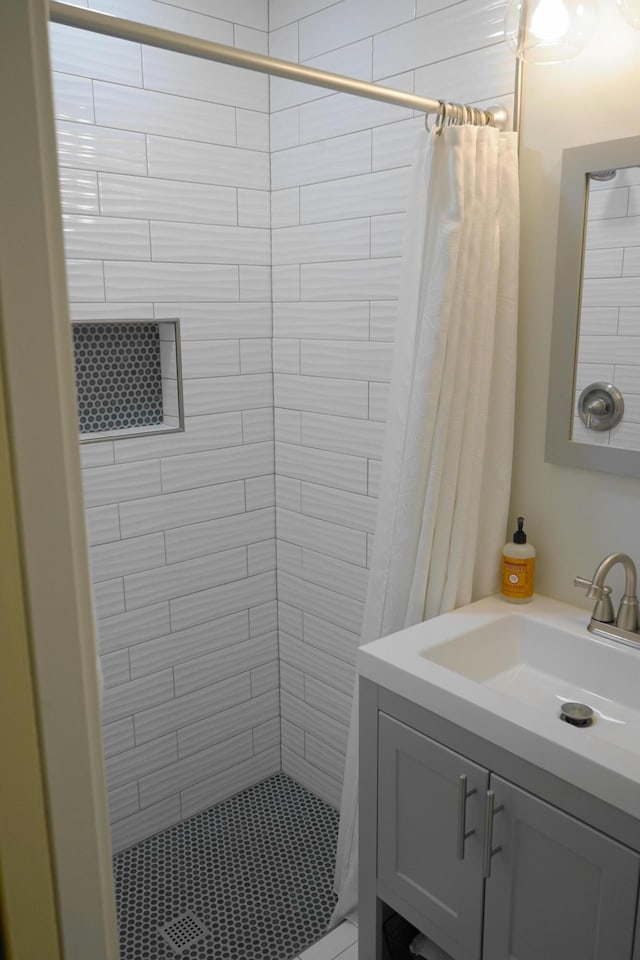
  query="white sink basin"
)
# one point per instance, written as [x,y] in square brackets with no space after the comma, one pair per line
[503,672]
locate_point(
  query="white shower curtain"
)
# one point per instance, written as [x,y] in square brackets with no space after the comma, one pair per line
[446,472]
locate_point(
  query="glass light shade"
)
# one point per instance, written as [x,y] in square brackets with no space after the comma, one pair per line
[546,31]
[630,10]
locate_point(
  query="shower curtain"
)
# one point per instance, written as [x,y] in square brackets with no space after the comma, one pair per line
[446,473]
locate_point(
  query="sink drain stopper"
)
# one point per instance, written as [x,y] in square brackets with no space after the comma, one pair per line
[577,714]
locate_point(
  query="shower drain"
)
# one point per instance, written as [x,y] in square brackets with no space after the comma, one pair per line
[182,932]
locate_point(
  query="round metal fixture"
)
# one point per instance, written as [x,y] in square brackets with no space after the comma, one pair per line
[603,175]
[577,714]
[601,406]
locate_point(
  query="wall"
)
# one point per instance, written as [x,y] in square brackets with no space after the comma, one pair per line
[609,338]
[165,181]
[575,517]
[339,169]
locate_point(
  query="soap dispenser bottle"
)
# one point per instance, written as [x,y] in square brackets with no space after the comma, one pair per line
[518,567]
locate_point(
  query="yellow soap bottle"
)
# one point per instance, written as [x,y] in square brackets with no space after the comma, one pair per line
[518,567]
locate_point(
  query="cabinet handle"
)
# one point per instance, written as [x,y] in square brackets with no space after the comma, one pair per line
[489,850]
[463,833]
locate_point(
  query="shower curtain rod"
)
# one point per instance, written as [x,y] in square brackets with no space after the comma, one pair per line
[86,19]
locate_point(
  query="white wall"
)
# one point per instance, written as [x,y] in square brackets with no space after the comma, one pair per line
[574,517]
[339,168]
[165,180]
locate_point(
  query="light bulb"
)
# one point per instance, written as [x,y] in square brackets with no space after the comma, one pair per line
[550,20]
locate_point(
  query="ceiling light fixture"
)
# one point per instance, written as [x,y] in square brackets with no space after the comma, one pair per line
[546,31]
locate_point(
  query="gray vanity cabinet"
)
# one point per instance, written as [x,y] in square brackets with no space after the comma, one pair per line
[558,889]
[427,808]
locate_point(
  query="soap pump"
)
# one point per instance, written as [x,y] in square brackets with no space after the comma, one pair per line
[518,567]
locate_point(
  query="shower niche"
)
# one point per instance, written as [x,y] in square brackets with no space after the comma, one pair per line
[128,378]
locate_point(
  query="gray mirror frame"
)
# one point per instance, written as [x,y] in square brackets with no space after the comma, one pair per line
[577,162]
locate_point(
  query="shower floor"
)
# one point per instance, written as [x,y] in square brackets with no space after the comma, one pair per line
[256,870]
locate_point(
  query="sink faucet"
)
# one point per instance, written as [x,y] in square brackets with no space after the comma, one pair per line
[627,620]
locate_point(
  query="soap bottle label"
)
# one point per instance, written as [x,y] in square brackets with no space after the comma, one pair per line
[518,577]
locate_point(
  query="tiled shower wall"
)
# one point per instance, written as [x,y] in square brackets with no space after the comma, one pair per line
[609,345]
[165,181]
[339,169]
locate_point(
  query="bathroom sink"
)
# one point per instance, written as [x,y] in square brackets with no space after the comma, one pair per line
[504,672]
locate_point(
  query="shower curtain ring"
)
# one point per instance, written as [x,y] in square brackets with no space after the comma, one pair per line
[441,118]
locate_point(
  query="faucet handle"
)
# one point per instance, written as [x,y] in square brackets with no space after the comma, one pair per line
[603,611]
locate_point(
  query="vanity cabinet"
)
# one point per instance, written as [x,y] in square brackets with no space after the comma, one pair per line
[522,880]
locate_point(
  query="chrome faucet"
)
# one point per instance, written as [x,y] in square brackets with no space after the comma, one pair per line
[626,624]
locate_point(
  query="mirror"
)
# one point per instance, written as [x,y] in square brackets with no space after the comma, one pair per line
[593,414]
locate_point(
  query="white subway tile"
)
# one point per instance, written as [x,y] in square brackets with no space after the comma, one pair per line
[290,620]
[225,784]
[284,11]
[374,468]
[263,618]
[312,661]
[126,556]
[387,235]
[604,204]
[330,761]
[254,208]
[200,433]
[126,629]
[341,113]
[621,292]
[354,59]
[252,129]
[284,129]
[157,199]
[308,717]
[351,359]
[363,196]
[322,394]
[171,281]
[345,156]
[603,263]
[260,492]
[166,16]
[210,358]
[101,148]
[219,601]
[109,484]
[177,579]
[85,280]
[94,55]
[261,556]
[330,638]
[227,723]
[312,778]
[111,311]
[209,243]
[378,399]
[350,20]
[292,680]
[343,239]
[283,40]
[285,207]
[266,679]
[288,493]
[320,466]
[96,454]
[286,282]
[266,735]
[135,763]
[78,191]
[173,159]
[122,700]
[443,34]
[289,559]
[163,114]
[219,321]
[343,435]
[396,144]
[228,662]
[115,668]
[184,773]
[193,77]
[288,425]
[357,280]
[383,320]
[250,13]
[629,323]
[152,820]
[118,737]
[198,469]
[178,509]
[348,320]
[102,524]
[482,75]
[172,648]
[286,356]
[336,540]
[347,578]
[219,394]
[106,238]
[327,699]
[211,536]
[246,38]
[123,802]
[255,356]
[255,283]
[311,598]
[631,266]
[108,598]
[73,98]
[257,424]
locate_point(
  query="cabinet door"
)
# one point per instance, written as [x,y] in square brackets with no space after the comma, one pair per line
[419,819]
[558,889]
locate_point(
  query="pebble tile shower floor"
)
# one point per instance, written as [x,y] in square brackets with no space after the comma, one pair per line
[256,870]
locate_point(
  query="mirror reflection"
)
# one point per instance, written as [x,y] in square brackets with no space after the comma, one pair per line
[607,374]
